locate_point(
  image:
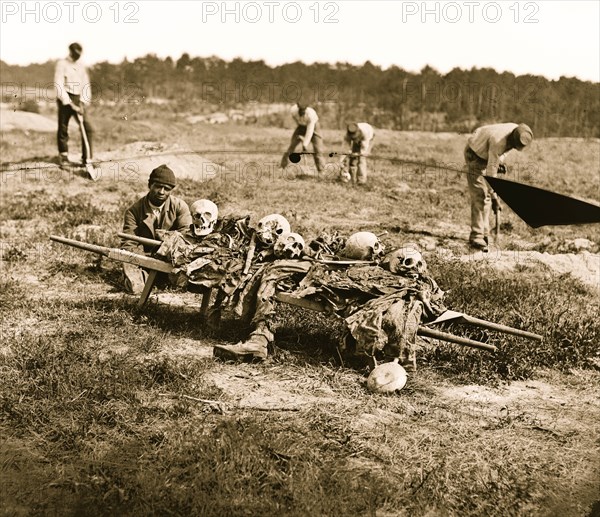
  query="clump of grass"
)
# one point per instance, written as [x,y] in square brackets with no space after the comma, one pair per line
[13,297]
[64,212]
[311,336]
[560,309]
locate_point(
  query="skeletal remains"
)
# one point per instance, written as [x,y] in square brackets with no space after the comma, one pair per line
[363,246]
[204,216]
[271,227]
[407,259]
[289,245]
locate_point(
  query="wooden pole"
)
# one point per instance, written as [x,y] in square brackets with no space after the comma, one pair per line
[451,338]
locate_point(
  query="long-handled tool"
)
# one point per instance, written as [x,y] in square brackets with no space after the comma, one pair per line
[496,208]
[93,173]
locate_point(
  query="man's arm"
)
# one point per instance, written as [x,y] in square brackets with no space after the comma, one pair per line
[130,226]
[348,140]
[86,90]
[495,157]
[364,146]
[59,83]
[183,218]
[310,127]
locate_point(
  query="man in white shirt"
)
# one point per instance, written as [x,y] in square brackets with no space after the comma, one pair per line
[359,137]
[306,131]
[73,93]
[484,155]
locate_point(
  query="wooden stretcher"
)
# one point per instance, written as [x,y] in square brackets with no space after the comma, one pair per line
[154,266]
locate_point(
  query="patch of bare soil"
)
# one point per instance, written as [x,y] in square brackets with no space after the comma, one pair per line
[450,242]
[552,407]
[248,388]
[135,161]
[584,266]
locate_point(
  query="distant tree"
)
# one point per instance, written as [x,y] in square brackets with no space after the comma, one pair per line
[394,98]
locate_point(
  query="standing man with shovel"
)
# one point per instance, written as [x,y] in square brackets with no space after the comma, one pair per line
[73,93]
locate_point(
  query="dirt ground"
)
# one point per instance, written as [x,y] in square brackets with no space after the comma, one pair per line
[561,408]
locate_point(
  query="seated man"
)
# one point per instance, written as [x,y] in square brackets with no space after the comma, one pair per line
[157,210]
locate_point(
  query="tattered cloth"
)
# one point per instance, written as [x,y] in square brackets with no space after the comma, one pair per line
[382,311]
[213,261]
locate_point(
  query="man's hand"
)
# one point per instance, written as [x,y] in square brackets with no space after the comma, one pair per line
[502,169]
[76,109]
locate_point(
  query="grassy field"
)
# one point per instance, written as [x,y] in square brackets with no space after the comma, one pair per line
[107,409]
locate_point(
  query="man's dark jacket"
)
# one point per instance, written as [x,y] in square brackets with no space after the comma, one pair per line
[139,220]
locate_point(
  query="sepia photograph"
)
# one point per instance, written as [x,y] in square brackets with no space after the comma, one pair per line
[300,258]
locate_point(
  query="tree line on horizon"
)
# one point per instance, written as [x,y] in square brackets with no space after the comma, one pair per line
[390,98]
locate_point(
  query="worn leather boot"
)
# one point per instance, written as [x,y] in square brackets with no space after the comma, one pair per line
[254,348]
[479,243]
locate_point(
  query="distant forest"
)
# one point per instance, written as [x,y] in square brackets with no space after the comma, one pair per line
[392,98]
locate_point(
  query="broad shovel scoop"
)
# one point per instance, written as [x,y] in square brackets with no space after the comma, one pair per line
[93,172]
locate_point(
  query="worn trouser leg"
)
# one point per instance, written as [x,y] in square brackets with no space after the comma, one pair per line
[401,322]
[481,201]
[353,168]
[317,142]
[285,160]
[134,278]
[360,162]
[361,175]
[65,112]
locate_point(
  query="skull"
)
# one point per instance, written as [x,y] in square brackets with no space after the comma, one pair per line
[387,378]
[270,227]
[204,216]
[407,259]
[289,245]
[363,246]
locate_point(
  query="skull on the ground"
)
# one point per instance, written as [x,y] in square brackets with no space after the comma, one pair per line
[204,216]
[270,227]
[289,245]
[407,259]
[363,246]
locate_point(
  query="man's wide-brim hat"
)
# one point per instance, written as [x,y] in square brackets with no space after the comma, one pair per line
[352,128]
[523,135]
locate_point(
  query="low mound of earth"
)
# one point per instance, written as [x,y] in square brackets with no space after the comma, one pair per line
[132,162]
[136,161]
[11,120]
[584,266]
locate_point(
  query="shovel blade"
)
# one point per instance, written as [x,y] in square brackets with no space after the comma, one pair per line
[93,172]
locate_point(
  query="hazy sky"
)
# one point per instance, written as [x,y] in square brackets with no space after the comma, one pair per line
[543,37]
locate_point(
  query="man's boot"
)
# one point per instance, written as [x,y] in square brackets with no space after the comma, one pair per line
[254,348]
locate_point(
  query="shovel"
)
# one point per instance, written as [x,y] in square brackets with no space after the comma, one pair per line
[92,171]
